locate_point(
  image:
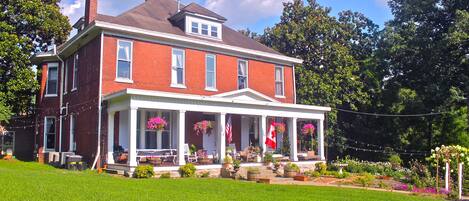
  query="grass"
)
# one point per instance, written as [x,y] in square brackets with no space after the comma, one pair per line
[32,181]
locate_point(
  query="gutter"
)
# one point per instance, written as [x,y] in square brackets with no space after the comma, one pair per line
[98,151]
[294,85]
[61,99]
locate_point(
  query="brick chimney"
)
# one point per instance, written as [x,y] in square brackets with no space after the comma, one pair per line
[91,11]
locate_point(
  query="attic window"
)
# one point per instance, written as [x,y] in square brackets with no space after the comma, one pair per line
[214,31]
[204,28]
[195,27]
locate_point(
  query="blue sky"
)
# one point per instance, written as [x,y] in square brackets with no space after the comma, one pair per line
[253,14]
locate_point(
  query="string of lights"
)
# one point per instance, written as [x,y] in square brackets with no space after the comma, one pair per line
[384,151]
[390,115]
[379,146]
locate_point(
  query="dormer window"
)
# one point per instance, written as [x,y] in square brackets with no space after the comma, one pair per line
[195,27]
[214,31]
[204,29]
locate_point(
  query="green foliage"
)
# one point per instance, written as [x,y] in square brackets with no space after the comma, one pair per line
[193,149]
[291,167]
[237,164]
[268,158]
[395,160]
[187,170]
[253,170]
[205,174]
[228,159]
[341,176]
[165,175]
[365,180]
[311,173]
[5,112]
[144,171]
[321,167]
[26,27]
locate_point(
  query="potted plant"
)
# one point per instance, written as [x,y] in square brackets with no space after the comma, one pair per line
[269,159]
[236,165]
[157,123]
[308,129]
[279,127]
[203,127]
[228,162]
[290,170]
[253,174]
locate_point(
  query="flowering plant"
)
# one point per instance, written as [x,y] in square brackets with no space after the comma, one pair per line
[308,129]
[203,127]
[279,127]
[156,123]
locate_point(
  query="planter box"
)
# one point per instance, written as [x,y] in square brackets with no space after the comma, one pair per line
[301,178]
[264,181]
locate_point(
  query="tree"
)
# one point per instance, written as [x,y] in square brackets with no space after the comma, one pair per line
[26,27]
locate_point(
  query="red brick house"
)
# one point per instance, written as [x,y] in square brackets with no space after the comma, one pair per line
[181,63]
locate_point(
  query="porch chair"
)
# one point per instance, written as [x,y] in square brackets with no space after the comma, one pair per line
[187,154]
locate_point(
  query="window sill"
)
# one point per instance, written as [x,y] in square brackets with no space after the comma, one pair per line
[277,96]
[211,89]
[179,86]
[124,81]
[50,95]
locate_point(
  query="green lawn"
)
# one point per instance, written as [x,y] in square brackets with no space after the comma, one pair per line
[31,181]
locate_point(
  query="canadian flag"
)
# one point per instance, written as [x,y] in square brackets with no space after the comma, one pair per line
[271,139]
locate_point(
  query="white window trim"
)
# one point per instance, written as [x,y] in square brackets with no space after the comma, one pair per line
[210,24]
[119,79]
[174,83]
[65,89]
[208,88]
[283,81]
[247,73]
[192,26]
[47,80]
[72,129]
[44,148]
[76,57]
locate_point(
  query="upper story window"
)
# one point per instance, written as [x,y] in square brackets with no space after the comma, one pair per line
[214,31]
[177,68]
[195,27]
[49,133]
[75,73]
[242,74]
[204,29]
[52,79]
[279,81]
[211,69]
[124,61]
[65,78]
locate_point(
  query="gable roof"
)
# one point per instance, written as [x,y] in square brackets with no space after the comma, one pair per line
[154,15]
[196,8]
[247,95]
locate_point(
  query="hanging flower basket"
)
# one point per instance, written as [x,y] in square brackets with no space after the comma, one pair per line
[279,127]
[156,123]
[308,129]
[203,127]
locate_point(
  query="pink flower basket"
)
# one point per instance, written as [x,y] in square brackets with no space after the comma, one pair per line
[308,129]
[279,127]
[203,127]
[156,123]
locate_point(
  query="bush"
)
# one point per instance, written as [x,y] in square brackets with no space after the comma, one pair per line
[321,168]
[341,176]
[228,159]
[205,174]
[291,167]
[236,164]
[254,171]
[165,175]
[311,173]
[395,161]
[268,158]
[365,180]
[187,170]
[144,171]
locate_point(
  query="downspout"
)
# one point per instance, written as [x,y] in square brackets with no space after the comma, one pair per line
[294,85]
[61,99]
[98,151]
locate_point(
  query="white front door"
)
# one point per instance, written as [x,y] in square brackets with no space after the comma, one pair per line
[210,142]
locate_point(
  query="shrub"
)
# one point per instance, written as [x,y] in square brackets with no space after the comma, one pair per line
[384,185]
[268,158]
[228,159]
[205,174]
[341,176]
[311,173]
[187,170]
[321,168]
[395,161]
[365,180]
[236,164]
[165,175]
[291,167]
[144,171]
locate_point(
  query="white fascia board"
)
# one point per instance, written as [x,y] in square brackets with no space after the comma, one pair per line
[246,90]
[138,92]
[132,30]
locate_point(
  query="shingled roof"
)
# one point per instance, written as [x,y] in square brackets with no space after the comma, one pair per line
[154,15]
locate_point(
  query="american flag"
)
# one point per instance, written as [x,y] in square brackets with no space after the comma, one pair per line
[228,130]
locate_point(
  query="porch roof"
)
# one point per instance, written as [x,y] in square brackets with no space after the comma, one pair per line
[129,92]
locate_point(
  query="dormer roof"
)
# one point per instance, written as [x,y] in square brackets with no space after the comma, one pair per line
[194,8]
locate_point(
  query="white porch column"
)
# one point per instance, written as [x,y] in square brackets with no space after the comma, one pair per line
[110,137]
[293,138]
[159,135]
[143,127]
[221,145]
[263,132]
[132,161]
[447,175]
[181,139]
[321,139]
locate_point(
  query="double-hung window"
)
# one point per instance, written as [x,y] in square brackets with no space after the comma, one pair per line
[49,133]
[75,73]
[195,27]
[211,69]
[52,79]
[204,29]
[177,68]
[214,31]
[279,81]
[242,74]
[72,146]
[124,60]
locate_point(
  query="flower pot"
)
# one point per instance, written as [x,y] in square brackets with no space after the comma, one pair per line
[253,176]
[289,174]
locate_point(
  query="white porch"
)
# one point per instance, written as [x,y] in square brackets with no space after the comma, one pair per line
[255,110]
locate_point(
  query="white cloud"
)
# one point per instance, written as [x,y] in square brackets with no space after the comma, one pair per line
[246,12]
[383,3]
[73,9]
